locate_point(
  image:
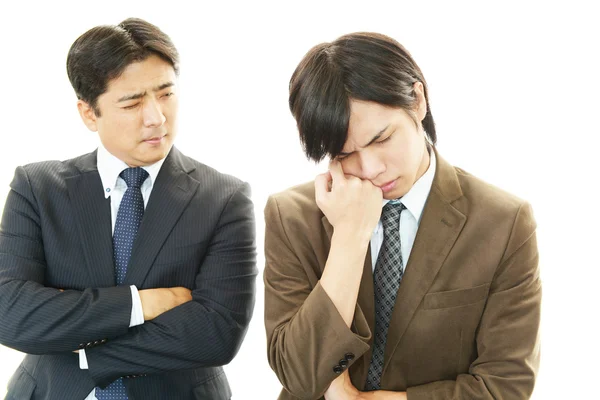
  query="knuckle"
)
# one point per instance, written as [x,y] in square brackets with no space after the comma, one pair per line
[354,181]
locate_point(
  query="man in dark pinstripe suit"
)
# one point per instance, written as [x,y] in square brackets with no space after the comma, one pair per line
[161,325]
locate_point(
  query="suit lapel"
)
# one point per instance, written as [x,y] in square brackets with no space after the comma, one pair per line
[171,194]
[92,215]
[439,228]
[366,303]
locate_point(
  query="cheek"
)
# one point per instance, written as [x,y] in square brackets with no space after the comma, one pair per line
[398,165]
[351,166]
[170,111]
[409,157]
[123,132]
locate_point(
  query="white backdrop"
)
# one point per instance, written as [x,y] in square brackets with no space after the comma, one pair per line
[513,91]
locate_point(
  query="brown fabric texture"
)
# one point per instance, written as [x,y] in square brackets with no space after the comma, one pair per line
[467,314]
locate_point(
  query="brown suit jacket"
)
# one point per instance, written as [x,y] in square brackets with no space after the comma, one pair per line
[466,320]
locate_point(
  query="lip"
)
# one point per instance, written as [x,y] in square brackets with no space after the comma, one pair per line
[388,186]
[155,139]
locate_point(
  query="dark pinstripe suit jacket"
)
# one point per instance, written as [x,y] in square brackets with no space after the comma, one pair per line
[198,231]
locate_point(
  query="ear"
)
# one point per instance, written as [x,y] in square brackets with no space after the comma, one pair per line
[88,115]
[421,105]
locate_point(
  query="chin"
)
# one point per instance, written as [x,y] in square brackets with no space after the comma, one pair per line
[149,159]
[396,193]
[157,152]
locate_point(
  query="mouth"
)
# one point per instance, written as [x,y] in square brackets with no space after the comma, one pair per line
[155,139]
[388,186]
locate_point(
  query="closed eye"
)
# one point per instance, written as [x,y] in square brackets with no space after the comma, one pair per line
[385,140]
[342,157]
[131,107]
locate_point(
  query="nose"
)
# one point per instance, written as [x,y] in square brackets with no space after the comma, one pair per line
[371,164]
[153,115]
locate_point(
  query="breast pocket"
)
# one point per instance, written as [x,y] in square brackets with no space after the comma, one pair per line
[440,337]
[455,298]
[177,265]
[182,253]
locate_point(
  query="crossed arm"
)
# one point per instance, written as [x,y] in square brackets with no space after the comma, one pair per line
[205,331]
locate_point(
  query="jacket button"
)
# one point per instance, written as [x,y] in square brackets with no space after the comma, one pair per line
[103,341]
[337,369]
[82,345]
[349,356]
[344,363]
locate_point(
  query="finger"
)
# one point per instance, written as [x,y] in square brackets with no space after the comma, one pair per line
[322,184]
[336,171]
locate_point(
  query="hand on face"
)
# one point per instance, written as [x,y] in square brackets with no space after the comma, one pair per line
[349,203]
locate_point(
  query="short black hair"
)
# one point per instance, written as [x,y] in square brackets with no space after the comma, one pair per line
[362,66]
[103,52]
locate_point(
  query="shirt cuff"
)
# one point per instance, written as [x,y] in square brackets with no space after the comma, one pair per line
[137,312]
[82,360]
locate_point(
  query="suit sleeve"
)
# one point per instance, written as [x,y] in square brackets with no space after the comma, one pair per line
[206,331]
[43,320]
[508,337]
[306,335]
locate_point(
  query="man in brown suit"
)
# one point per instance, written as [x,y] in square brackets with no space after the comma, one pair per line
[435,295]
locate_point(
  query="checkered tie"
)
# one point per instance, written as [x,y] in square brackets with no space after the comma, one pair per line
[386,279]
[128,221]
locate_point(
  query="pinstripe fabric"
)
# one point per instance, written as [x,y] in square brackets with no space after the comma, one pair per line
[56,233]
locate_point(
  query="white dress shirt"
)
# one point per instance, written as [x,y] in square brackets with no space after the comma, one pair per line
[109,168]
[414,201]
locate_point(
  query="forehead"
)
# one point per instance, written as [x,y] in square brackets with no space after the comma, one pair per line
[366,113]
[142,76]
[368,118]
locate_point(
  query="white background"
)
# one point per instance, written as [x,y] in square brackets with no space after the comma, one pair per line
[514,92]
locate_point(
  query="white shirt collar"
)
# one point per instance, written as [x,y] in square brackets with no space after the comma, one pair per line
[110,167]
[415,199]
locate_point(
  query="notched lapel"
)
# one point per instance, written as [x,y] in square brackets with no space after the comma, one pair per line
[92,215]
[440,226]
[171,194]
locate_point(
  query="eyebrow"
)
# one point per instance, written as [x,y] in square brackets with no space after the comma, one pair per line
[136,96]
[377,136]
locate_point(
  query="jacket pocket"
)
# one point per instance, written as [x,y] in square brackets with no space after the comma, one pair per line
[456,298]
[21,385]
[215,388]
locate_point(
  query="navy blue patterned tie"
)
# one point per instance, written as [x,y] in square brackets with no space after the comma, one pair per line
[386,281]
[128,221]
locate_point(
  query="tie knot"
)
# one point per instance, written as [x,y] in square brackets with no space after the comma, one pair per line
[390,217]
[134,177]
